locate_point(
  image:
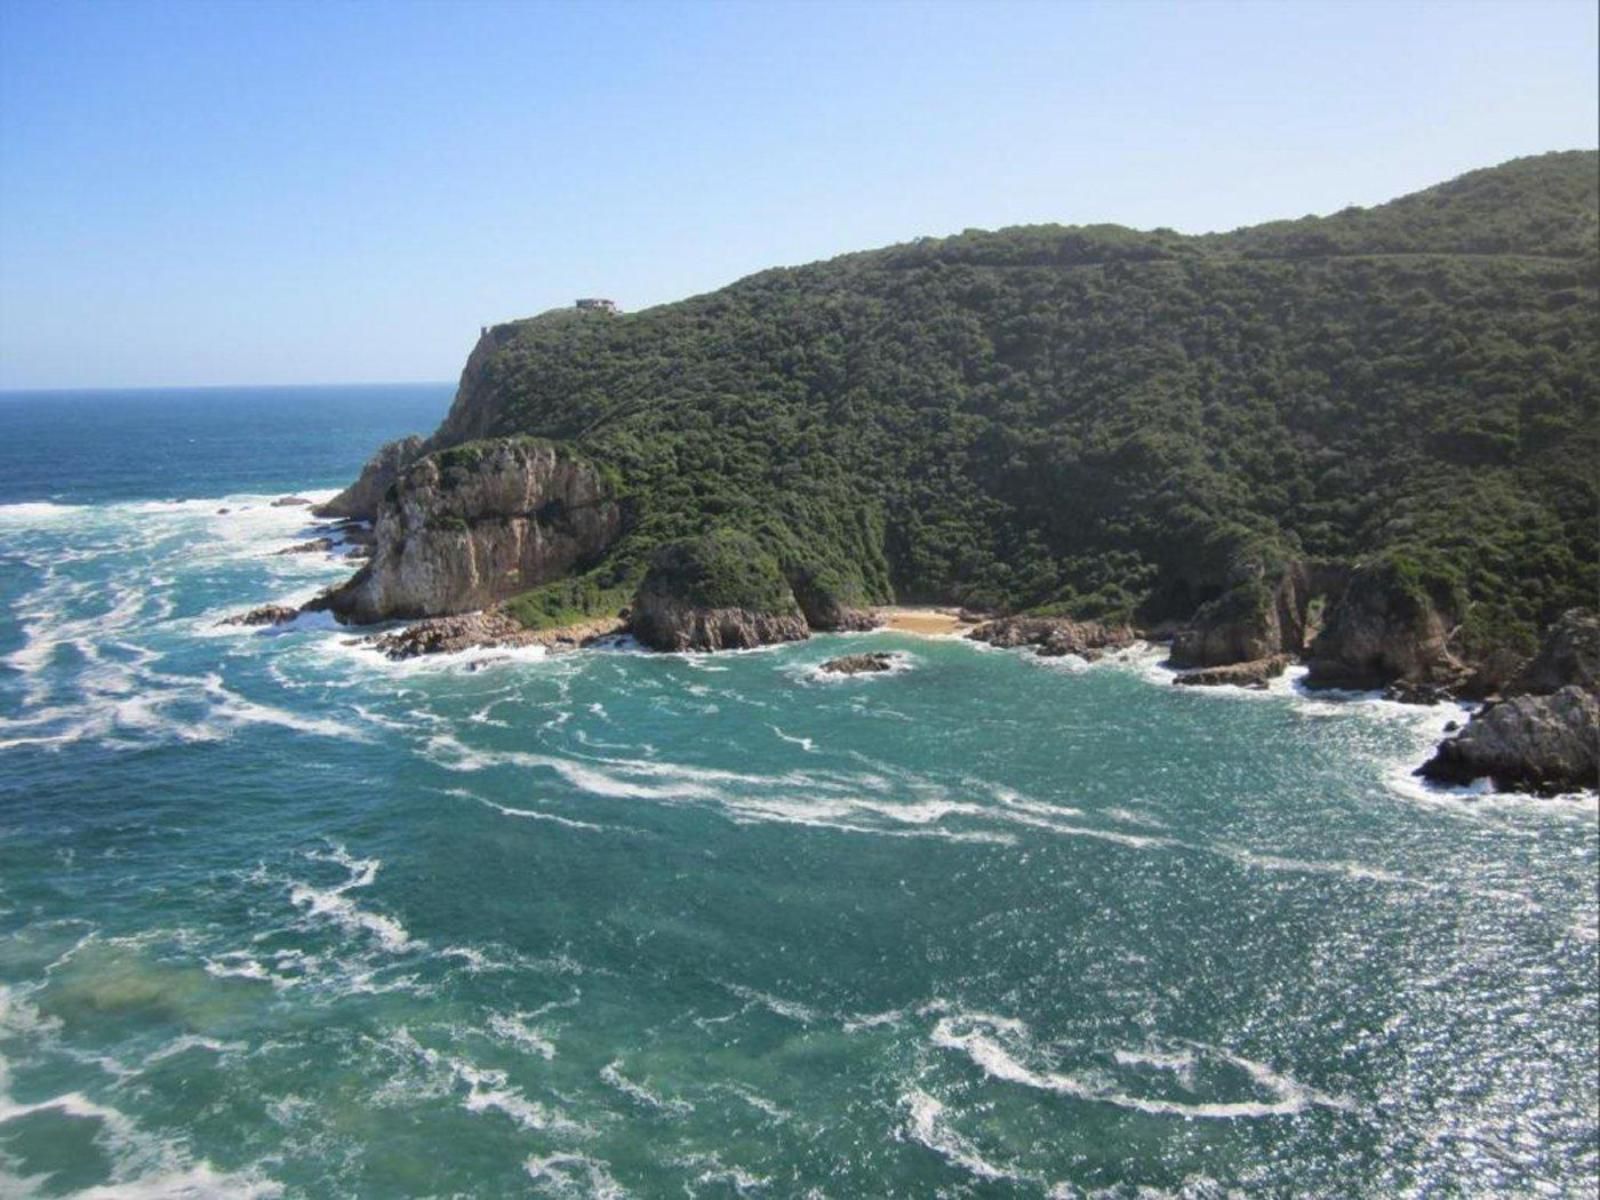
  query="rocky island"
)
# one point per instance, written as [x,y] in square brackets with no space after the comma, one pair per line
[1364,442]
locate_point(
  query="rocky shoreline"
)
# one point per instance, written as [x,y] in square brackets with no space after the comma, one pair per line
[456,534]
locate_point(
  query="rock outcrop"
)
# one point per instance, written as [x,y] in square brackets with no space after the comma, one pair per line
[466,527]
[1258,617]
[720,591]
[1533,743]
[860,664]
[266,614]
[363,498]
[290,502]
[1391,623]
[1054,637]
[1246,674]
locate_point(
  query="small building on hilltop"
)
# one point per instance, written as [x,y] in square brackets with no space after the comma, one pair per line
[596,304]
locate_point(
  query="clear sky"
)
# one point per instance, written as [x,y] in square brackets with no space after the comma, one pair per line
[214,193]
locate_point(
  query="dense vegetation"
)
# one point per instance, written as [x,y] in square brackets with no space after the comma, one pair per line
[1108,422]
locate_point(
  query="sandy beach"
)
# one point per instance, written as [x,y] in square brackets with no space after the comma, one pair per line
[931,622]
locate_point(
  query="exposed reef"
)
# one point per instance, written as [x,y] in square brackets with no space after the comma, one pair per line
[1054,637]
[860,664]
[1246,674]
[266,614]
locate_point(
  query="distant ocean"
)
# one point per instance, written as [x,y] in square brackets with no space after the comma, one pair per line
[278,917]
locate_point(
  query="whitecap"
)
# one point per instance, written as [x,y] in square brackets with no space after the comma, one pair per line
[574,1175]
[983,1039]
[611,1075]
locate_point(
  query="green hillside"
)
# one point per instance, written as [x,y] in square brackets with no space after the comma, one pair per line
[1103,421]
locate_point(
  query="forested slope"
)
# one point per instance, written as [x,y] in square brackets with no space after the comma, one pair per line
[1107,422]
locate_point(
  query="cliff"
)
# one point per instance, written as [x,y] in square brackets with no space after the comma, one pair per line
[1391,623]
[362,499]
[467,527]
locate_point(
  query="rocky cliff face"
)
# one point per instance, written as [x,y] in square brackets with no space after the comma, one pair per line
[719,591]
[1389,624]
[473,411]
[1570,654]
[1255,619]
[665,623]
[1530,743]
[471,525]
[362,498]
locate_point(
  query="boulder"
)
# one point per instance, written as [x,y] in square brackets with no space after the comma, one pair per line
[290,502]
[1247,675]
[860,664]
[1548,744]
[266,614]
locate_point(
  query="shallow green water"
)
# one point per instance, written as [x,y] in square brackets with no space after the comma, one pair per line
[276,916]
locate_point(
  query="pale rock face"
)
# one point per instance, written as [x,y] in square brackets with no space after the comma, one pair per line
[1539,743]
[503,518]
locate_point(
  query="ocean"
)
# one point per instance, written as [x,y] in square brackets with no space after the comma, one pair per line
[281,918]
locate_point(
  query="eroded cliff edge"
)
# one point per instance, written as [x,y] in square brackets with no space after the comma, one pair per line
[464,528]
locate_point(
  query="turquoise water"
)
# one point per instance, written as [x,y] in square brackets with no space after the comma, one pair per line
[280,918]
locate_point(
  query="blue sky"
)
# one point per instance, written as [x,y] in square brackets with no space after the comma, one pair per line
[200,193]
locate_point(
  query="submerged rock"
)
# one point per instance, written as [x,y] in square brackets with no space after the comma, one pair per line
[290,502]
[266,614]
[314,546]
[1529,743]
[860,664]
[1247,674]
[1055,636]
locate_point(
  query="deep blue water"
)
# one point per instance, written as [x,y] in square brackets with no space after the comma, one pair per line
[280,918]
